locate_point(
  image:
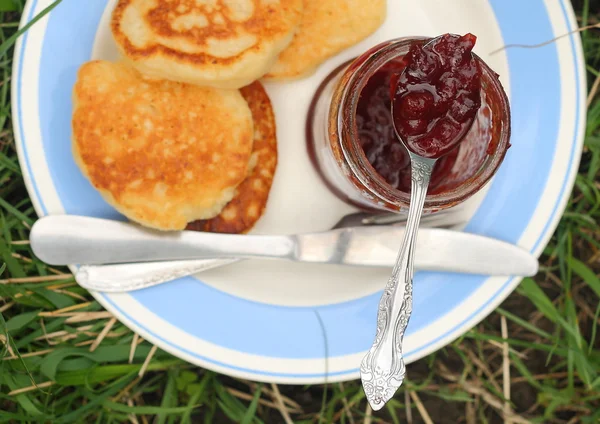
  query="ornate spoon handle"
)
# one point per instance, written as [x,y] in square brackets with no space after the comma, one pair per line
[382,370]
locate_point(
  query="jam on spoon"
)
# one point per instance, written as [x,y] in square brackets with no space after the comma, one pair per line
[437,98]
[378,139]
[437,95]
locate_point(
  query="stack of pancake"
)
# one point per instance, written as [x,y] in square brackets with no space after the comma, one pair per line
[180,133]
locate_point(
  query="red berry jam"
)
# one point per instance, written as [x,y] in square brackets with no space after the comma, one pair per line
[436,94]
[378,139]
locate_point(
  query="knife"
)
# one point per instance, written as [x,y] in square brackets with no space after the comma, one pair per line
[121,278]
[68,239]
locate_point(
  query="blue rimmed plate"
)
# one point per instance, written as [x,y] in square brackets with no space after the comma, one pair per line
[298,323]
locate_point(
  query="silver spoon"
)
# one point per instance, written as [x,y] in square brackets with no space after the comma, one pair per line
[382,370]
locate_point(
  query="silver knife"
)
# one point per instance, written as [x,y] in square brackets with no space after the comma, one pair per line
[67,239]
[121,278]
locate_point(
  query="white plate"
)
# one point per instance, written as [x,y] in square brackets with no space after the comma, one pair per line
[295,323]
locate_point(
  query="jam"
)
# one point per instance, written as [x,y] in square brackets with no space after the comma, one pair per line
[378,139]
[437,94]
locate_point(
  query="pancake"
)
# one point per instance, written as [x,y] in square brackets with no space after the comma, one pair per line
[218,43]
[328,26]
[250,200]
[162,153]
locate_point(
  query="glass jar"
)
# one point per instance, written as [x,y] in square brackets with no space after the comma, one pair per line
[333,140]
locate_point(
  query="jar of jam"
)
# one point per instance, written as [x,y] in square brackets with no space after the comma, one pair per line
[353,145]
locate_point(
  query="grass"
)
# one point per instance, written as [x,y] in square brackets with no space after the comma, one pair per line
[535,359]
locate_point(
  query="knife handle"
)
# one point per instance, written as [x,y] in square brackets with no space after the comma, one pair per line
[68,239]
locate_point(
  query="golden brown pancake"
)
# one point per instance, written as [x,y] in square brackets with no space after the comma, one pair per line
[250,200]
[219,43]
[162,153]
[328,26]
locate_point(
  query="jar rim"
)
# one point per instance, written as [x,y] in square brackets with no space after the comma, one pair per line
[354,79]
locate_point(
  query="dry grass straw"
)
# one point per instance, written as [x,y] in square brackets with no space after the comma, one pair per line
[420,407]
[103,333]
[147,361]
[545,43]
[368,414]
[505,372]
[280,405]
[41,279]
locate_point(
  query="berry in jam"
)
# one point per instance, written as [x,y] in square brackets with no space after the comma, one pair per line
[378,139]
[436,94]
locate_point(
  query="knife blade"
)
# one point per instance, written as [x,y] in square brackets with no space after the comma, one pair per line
[67,239]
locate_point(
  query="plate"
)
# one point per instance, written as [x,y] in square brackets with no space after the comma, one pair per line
[296,323]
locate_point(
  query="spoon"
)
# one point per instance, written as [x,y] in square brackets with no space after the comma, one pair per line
[382,369]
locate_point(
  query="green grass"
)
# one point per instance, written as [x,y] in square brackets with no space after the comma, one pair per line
[551,349]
